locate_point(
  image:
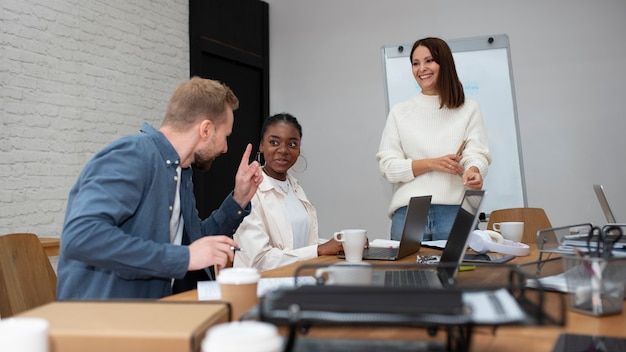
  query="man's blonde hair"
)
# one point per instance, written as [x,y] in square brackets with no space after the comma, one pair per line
[199,99]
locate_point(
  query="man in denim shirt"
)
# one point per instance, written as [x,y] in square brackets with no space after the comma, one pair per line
[132,209]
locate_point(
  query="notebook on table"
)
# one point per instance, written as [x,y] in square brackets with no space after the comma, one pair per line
[448,266]
[412,233]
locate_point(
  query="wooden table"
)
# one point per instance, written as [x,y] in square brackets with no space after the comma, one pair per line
[513,338]
[50,245]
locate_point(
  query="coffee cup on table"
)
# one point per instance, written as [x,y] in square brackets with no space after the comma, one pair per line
[239,287]
[243,336]
[353,242]
[511,230]
[24,334]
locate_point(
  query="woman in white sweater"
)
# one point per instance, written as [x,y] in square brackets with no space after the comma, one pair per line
[418,148]
[282,226]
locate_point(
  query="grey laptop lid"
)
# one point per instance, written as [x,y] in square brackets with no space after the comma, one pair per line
[414,225]
[604,203]
[447,268]
[464,223]
[412,232]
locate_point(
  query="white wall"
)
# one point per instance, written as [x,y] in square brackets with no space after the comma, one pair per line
[74,76]
[569,68]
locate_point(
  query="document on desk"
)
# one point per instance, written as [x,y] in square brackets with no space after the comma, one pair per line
[210,290]
[380,243]
[493,307]
[437,244]
[553,282]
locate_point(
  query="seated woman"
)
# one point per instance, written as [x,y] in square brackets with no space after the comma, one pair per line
[282,227]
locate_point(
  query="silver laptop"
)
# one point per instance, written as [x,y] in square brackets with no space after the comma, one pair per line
[604,203]
[448,266]
[412,233]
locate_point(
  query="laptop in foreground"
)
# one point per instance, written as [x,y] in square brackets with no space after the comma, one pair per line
[448,266]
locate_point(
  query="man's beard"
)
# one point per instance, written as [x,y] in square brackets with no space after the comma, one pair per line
[202,163]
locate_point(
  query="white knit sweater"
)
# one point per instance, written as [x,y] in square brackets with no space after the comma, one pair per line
[418,129]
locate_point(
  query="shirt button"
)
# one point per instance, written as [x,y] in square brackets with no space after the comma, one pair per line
[175,178]
[238,212]
[171,208]
[168,162]
[176,162]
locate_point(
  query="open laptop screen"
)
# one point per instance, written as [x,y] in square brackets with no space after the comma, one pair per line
[604,203]
[464,223]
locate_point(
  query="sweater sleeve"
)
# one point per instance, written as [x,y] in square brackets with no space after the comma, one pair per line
[393,163]
[476,152]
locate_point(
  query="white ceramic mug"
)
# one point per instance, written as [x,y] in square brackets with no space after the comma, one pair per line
[239,287]
[346,273]
[511,230]
[24,334]
[353,242]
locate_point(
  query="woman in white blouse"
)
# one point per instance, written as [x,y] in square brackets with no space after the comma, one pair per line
[282,227]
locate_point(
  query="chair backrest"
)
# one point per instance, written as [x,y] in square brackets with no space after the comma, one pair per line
[534,219]
[27,279]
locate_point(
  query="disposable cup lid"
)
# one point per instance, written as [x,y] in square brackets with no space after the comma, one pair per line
[238,276]
[23,326]
[242,336]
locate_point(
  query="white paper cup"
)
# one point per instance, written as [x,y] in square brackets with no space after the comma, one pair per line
[24,335]
[353,242]
[239,287]
[346,273]
[243,336]
[511,230]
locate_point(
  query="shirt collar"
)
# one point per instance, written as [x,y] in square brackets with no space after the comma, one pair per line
[168,153]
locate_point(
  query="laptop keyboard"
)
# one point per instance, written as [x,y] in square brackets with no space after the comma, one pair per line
[381,252]
[407,278]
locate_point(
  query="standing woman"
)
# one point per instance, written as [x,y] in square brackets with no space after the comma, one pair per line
[417,152]
[282,226]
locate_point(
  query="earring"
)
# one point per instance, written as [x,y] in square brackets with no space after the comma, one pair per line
[306,164]
[258,157]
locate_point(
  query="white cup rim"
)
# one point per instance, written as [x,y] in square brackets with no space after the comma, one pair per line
[238,276]
[228,337]
[348,264]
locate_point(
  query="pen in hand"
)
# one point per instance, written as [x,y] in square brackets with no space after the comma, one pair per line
[236,249]
[459,151]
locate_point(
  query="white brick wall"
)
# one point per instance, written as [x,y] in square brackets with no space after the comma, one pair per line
[75,75]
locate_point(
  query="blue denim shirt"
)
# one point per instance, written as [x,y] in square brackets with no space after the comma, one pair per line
[115,241]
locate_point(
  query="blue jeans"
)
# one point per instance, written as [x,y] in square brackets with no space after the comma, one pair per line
[438,225]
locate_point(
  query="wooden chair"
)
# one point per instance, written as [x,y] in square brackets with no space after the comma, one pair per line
[27,279]
[534,219]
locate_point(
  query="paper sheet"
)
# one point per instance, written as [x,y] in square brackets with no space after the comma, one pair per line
[440,244]
[384,243]
[493,307]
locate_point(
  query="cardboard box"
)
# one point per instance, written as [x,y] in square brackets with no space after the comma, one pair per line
[129,325]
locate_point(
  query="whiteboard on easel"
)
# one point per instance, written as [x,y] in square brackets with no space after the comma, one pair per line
[484,67]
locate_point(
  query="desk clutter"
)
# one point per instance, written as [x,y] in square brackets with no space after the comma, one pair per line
[594,266]
[454,311]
